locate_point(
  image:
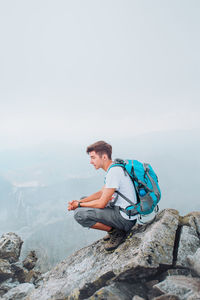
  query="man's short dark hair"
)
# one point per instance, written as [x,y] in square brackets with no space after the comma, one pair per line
[100,148]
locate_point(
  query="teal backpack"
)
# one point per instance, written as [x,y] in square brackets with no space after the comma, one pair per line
[145,182]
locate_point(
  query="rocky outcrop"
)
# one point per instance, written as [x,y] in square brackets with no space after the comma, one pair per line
[30,261]
[140,267]
[160,261]
[10,247]
[91,268]
[16,280]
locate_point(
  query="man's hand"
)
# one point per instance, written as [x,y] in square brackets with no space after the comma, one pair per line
[72,205]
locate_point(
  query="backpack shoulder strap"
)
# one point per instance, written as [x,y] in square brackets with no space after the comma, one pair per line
[120,163]
[125,198]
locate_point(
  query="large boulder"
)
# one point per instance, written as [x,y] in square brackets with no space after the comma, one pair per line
[10,246]
[181,286]
[189,236]
[188,244]
[91,268]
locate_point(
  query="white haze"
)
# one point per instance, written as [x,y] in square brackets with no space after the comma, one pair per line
[85,70]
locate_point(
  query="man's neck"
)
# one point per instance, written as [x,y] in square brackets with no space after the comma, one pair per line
[107,165]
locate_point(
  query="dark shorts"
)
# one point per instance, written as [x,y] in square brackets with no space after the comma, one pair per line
[87,217]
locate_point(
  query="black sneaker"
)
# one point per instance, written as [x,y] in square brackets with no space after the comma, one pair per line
[117,238]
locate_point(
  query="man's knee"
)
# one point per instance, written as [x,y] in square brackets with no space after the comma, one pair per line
[83,217]
[79,215]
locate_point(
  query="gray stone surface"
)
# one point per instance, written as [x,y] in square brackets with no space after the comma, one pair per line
[137,298]
[194,262]
[30,261]
[20,292]
[181,286]
[188,245]
[10,246]
[90,268]
[5,270]
[195,296]
[193,219]
[7,285]
[167,297]
[119,290]
[144,261]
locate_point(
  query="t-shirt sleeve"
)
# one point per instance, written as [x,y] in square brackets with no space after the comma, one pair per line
[113,178]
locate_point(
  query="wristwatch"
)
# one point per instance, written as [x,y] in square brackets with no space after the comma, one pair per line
[79,204]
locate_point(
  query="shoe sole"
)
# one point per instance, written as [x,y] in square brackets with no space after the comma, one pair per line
[106,240]
[112,250]
[128,236]
[109,251]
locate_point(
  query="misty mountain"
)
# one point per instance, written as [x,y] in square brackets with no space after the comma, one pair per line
[39,215]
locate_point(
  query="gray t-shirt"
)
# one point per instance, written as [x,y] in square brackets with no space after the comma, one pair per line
[116,178]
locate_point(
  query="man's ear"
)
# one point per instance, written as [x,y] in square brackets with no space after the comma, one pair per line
[104,157]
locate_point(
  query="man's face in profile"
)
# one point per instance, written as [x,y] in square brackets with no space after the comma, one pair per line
[96,160]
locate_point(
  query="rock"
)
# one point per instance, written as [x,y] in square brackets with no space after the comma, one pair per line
[7,285]
[181,286]
[158,262]
[20,292]
[188,245]
[13,277]
[91,268]
[30,261]
[178,271]
[196,216]
[33,277]
[10,247]
[119,290]
[137,298]
[167,297]
[19,272]
[195,296]
[192,219]
[5,270]
[194,262]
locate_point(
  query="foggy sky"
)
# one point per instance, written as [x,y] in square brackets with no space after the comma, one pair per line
[89,70]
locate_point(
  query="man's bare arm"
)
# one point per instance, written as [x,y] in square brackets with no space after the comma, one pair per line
[92,197]
[106,196]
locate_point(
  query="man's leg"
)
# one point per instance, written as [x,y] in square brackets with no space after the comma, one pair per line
[101,226]
[95,218]
[110,230]
[81,217]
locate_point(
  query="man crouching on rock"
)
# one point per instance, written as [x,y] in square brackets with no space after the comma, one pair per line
[101,210]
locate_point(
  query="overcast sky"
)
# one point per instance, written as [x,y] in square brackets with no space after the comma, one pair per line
[88,70]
